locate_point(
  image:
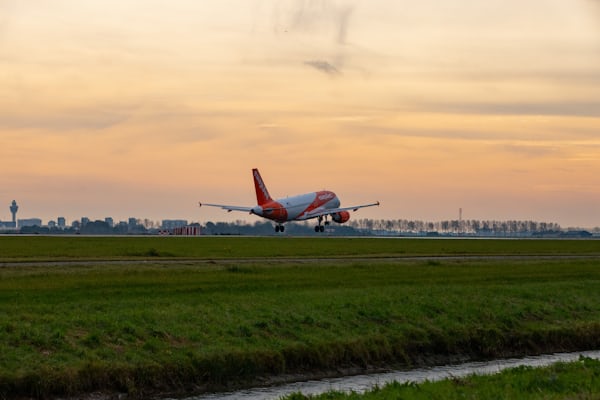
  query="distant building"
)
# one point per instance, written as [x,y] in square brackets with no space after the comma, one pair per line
[85,221]
[51,224]
[576,234]
[22,223]
[173,223]
[7,225]
[109,221]
[11,224]
[13,210]
[61,222]
[189,230]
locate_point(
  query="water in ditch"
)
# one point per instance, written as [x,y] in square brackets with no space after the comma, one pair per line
[362,383]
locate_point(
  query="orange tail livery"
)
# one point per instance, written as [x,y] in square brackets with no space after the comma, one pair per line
[262,194]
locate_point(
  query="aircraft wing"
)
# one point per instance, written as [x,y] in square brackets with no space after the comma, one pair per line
[326,211]
[228,208]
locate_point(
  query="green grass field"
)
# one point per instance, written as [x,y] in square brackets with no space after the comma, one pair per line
[15,248]
[150,326]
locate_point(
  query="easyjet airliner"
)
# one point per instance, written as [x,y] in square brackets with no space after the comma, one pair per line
[319,205]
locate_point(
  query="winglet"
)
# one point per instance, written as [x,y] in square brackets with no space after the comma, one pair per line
[366,205]
[262,194]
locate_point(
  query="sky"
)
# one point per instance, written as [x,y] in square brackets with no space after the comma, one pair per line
[143,108]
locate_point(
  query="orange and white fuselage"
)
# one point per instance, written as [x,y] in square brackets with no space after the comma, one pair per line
[297,208]
[318,205]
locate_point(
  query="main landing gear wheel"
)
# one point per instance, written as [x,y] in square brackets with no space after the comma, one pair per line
[319,227]
[279,228]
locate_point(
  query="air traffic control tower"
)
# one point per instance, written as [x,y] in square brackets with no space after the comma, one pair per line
[13,209]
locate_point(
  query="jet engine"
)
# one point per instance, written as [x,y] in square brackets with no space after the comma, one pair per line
[340,217]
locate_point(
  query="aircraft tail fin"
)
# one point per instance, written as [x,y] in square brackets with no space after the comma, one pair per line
[262,194]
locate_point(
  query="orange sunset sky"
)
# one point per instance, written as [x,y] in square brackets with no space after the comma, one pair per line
[143,108]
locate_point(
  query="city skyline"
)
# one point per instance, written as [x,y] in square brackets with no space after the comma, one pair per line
[113,109]
[133,225]
[61,221]
[169,223]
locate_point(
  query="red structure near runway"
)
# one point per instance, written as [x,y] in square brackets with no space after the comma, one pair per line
[186,231]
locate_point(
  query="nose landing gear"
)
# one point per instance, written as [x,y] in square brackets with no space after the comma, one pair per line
[279,228]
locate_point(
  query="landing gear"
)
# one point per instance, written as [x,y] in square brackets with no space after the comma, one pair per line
[279,228]
[319,227]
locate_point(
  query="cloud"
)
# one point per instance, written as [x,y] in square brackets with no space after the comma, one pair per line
[316,16]
[5,15]
[530,150]
[319,19]
[343,16]
[268,126]
[566,108]
[323,66]
[65,120]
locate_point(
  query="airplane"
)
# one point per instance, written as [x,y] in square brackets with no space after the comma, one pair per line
[319,205]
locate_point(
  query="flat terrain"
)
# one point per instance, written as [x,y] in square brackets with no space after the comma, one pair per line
[31,248]
[210,322]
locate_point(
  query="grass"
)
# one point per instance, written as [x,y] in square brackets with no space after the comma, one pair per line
[28,248]
[576,380]
[153,327]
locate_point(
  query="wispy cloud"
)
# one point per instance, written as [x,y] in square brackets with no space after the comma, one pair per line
[64,120]
[320,19]
[5,15]
[316,16]
[529,150]
[558,108]
[323,66]
[343,15]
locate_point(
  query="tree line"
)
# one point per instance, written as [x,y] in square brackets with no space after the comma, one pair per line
[354,227]
[471,226]
[367,226]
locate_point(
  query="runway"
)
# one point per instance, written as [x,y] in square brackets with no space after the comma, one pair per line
[297,260]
